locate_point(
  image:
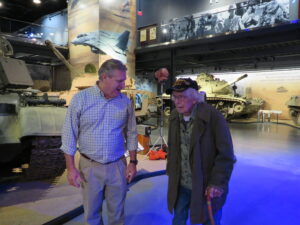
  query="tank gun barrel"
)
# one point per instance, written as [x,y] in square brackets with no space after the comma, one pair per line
[232,82]
[70,67]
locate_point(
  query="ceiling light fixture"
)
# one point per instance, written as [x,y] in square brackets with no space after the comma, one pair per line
[37,1]
[140,12]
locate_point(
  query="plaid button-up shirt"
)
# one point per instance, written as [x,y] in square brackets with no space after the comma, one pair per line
[103,128]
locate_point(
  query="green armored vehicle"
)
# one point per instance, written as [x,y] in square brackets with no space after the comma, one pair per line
[30,122]
[294,108]
[222,96]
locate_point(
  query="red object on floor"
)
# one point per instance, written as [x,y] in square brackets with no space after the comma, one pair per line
[155,155]
[162,154]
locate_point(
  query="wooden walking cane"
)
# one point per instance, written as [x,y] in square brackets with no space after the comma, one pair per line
[210,211]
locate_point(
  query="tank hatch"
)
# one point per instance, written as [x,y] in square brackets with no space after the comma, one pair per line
[14,74]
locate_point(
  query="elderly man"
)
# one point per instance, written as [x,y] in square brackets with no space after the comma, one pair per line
[100,119]
[200,156]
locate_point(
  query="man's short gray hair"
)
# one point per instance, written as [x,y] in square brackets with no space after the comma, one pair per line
[195,95]
[109,65]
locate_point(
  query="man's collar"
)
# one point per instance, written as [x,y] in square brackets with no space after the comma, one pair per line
[201,112]
[99,91]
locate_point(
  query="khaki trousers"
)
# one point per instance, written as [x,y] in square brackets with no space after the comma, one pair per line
[103,181]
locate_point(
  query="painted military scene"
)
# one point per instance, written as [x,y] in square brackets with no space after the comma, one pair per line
[236,17]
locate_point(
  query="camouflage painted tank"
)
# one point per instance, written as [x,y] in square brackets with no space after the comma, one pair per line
[222,96]
[294,108]
[30,122]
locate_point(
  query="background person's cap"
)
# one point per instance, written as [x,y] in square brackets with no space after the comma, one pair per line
[182,84]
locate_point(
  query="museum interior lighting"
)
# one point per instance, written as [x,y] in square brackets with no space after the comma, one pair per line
[37,1]
[82,6]
[140,12]
[108,3]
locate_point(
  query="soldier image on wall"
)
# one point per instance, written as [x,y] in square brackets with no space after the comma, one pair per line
[190,27]
[201,26]
[273,12]
[249,14]
[233,22]
[250,18]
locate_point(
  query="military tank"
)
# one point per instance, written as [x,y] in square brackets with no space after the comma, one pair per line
[30,121]
[223,97]
[294,108]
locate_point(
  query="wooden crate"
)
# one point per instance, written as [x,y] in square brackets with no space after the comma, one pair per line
[145,142]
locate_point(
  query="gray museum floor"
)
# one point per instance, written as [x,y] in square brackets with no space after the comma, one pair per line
[263,189]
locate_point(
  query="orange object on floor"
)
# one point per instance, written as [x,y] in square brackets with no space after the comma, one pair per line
[153,155]
[162,154]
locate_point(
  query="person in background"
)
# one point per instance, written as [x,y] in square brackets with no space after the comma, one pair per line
[233,22]
[101,120]
[200,156]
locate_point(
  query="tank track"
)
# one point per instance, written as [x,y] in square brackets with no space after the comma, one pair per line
[223,105]
[295,114]
[225,99]
[46,159]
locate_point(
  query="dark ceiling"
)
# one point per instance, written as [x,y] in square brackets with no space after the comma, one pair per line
[271,47]
[27,11]
[17,14]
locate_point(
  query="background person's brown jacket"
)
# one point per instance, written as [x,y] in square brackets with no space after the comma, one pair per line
[211,159]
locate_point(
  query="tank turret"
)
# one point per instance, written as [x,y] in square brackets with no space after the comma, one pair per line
[222,95]
[30,121]
[294,108]
[224,86]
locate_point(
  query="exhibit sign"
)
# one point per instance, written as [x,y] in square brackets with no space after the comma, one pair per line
[148,34]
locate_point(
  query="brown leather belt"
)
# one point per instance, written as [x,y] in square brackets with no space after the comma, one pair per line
[92,160]
[86,157]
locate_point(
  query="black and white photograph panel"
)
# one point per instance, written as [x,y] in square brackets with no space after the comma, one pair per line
[232,18]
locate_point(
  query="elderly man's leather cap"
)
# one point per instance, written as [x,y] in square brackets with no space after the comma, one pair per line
[182,84]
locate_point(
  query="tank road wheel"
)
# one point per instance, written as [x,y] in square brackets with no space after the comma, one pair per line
[224,112]
[220,105]
[159,102]
[46,159]
[295,116]
[167,111]
[238,107]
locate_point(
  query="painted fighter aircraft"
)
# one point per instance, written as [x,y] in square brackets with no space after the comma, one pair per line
[105,42]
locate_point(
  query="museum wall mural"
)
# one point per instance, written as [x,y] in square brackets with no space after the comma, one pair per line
[147,83]
[100,30]
[235,17]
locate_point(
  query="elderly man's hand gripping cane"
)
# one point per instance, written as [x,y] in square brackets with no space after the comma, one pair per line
[210,193]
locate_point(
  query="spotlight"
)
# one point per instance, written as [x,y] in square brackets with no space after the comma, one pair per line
[1,4]
[37,1]
[165,31]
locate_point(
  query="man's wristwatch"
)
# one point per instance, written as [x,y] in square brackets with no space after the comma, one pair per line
[134,161]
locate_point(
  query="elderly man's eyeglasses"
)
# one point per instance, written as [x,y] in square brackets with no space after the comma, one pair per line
[178,97]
